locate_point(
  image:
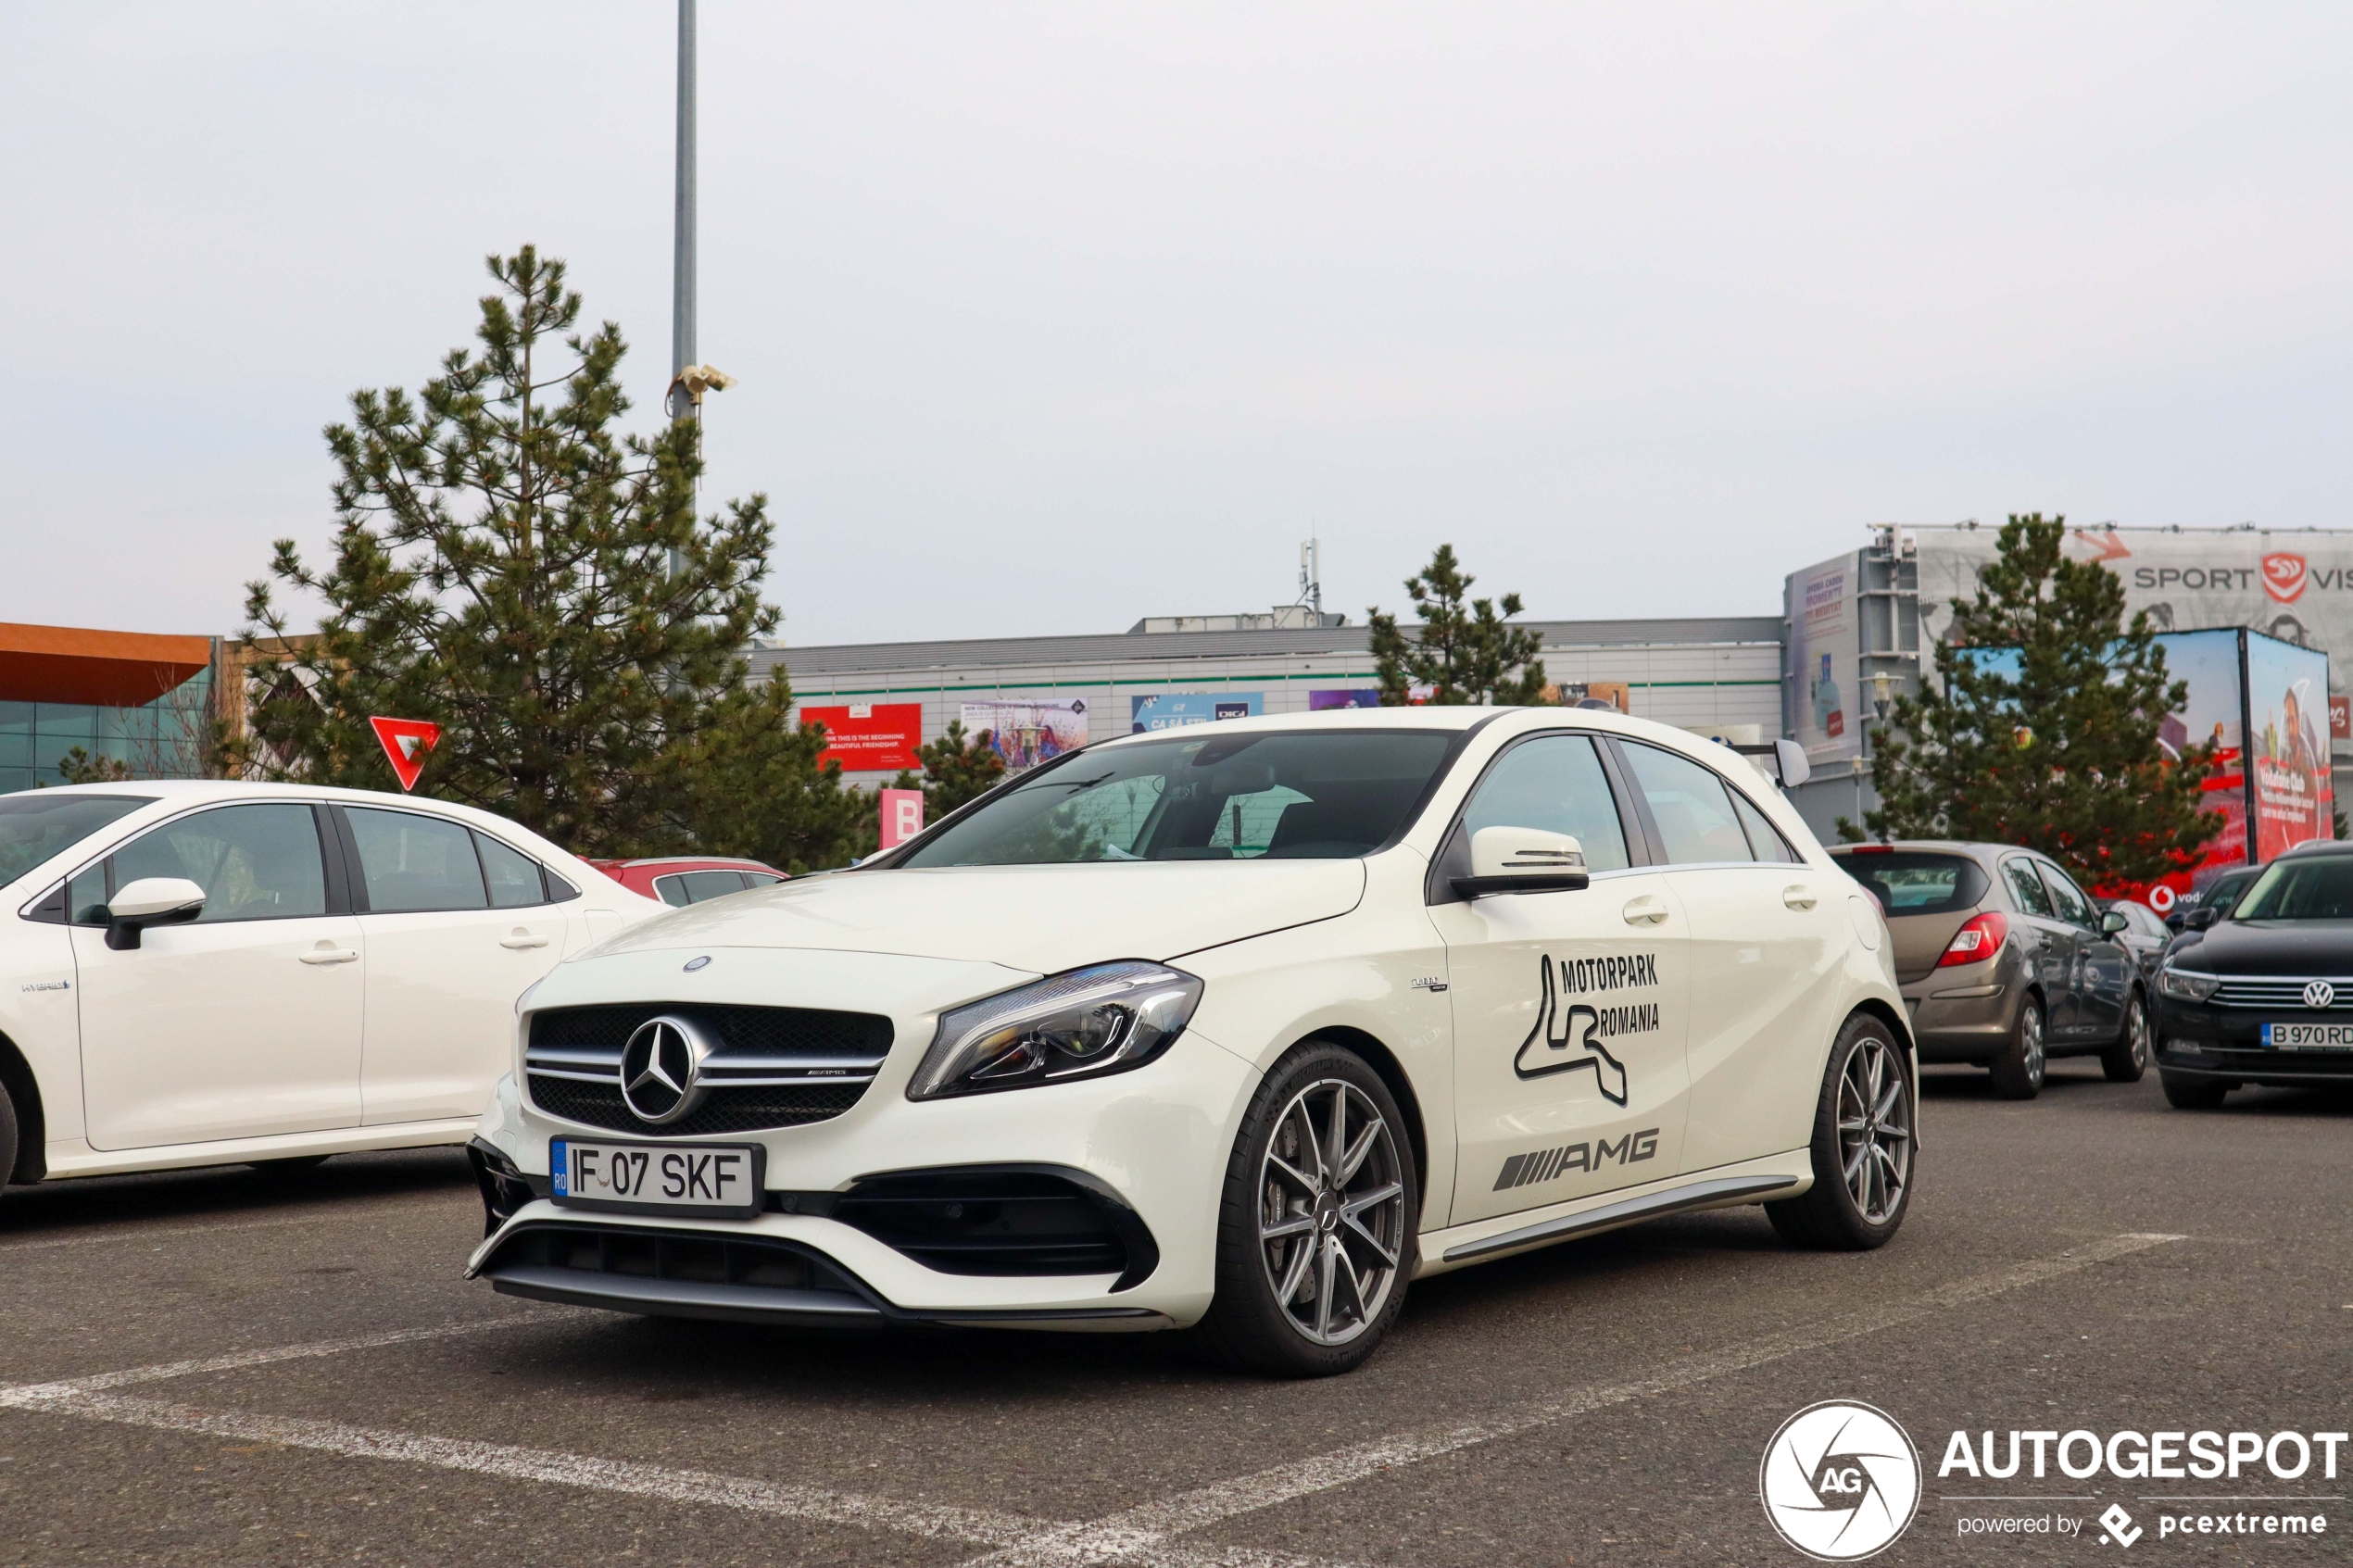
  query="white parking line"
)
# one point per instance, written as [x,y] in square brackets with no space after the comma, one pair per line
[32,1395]
[1139,1535]
[166,1233]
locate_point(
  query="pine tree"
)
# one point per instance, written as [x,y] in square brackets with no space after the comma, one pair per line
[2062,754]
[509,568]
[957,768]
[1463,655]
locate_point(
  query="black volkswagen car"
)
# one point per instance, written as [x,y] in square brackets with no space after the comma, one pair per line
[2267,995]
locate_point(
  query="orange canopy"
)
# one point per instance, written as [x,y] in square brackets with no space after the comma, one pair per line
[110,669]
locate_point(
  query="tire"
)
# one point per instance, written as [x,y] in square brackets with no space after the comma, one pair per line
[291,1165]
[1863,1123]
[2193,1093]
[1347,1247]
[2129,1057]
[8,1137]
[2018,1071]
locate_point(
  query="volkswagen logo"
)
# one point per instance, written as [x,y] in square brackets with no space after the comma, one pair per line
[661,1070]
[2320,993]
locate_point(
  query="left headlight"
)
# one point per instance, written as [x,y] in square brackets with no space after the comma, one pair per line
[1105,1018]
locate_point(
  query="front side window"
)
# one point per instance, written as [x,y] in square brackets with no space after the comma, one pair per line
[1263,794]
[2318,888]
[415,862]
[1690,805]
[1554,782]
[254,862]
[37,824]
[2073,907]
[2026,887]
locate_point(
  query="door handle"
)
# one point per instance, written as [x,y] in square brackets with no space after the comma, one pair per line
[1797,896]
[329,955]
[1645,910]
[523,938]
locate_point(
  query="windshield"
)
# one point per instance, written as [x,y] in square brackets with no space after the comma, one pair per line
[2319,888]
[37,824]
[1267,795]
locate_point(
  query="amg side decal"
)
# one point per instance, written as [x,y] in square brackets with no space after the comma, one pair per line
[1584,1027]
[1549,1165]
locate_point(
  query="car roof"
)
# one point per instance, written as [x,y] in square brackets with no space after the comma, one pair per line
[693,862]
[2315,847]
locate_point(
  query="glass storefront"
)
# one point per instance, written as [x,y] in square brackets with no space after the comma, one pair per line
[162,740]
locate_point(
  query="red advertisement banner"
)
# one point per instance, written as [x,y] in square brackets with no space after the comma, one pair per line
[867,737]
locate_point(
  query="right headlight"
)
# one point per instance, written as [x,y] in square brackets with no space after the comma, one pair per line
[2188,985]
[1085,1024]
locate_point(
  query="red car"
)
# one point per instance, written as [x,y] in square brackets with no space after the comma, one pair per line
[688,879]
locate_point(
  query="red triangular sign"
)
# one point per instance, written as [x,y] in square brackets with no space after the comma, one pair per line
[405,741]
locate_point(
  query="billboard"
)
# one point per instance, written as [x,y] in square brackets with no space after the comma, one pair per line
[870,736]
[2210,714]
[1328,698]
[1825,633]
[1177,710]
[1026,734]
[2290,796]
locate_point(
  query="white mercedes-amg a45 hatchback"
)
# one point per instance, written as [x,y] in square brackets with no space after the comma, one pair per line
[1242,1027]
[204,973]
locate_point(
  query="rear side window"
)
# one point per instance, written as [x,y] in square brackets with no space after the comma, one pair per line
[415,862]
[1762,837]
[513,875]
[2026,887]
[1915,883]
[1554,782]
[1690,805]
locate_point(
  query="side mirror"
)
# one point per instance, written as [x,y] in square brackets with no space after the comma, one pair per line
[151,900]
[2198,920]
[1507,860]
[2114,921]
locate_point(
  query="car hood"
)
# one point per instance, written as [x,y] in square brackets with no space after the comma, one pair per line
[1036,918]
[2299,946]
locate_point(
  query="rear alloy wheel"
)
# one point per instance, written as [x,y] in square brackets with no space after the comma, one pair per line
[1863,1150]
[2129,1057]
[8,1137]
[1314,1237]
[2192,1094]
[2018,1071]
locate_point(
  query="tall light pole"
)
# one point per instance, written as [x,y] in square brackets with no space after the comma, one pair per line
[682,259]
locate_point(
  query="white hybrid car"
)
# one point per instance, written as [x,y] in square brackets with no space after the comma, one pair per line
[204,974]
[1242,1026]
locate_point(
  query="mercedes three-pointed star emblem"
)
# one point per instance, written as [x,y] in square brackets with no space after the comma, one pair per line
[661,1070]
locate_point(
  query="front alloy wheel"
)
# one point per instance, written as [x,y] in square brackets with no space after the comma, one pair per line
[2129,1057]
[2018,1071]
[1315,1232]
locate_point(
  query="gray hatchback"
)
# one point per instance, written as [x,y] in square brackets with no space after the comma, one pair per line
[2003,959]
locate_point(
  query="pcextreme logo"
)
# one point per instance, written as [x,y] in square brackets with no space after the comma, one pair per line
[1839,1481]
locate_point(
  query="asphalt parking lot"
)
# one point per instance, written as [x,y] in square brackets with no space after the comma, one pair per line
[218,1367]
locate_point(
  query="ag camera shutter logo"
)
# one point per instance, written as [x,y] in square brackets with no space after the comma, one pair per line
[1839,1481]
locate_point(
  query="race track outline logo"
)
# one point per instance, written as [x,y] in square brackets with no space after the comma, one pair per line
[1839,1481]
[1585,1027]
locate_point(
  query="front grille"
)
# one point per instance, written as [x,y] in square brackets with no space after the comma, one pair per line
[2280,992]
[772,1067]
[995,1219]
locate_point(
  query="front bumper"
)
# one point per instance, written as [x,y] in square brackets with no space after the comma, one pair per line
[2227,1043]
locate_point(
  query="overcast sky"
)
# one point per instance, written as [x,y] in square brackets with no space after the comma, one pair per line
[1048,317]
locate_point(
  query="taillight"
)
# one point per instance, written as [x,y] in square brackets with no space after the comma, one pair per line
[1977,941]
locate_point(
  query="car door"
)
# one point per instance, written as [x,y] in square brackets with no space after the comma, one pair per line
[1569,1006]
[2051,947]
[1769,937]
[459,926]
[243,1024]
[2103,975]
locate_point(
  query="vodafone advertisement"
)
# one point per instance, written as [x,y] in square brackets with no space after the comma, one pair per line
[867,737]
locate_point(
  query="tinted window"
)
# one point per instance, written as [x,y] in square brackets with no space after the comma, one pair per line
[702,886]
[254,862]
[1690,805]
[2025,887]
[761,879]
[36,824]
[1763,838]
[1263,794]
[1911,882]
[86,897]
[2073,907]
[2317,888]
[671,890]
[2225,891]
[414,862]
[513,875]
[1554,782]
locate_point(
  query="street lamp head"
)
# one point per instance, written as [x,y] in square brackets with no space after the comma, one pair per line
[699,379]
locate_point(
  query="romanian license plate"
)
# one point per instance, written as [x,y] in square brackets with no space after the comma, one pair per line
[712,1180]
[2308,1036]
